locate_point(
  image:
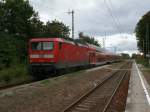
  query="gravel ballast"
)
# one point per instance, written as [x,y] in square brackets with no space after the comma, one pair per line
[51,95]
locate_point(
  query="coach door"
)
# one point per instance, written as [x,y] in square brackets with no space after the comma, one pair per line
[92,58]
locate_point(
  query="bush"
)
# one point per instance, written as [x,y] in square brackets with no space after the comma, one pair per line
[14,75]
[143,61]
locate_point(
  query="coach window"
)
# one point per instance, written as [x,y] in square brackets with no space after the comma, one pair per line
[60,45]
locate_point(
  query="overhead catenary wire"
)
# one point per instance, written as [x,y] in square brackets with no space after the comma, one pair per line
[114,18]
[122,30]
[117,20]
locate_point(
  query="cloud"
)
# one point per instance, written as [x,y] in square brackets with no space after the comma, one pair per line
[120,43]
[94,18]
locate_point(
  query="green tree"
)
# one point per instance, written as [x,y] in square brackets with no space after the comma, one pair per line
[142,31]
[37,27]
[87,39]
[16,16]
[7,49]
[125,56]
[57,29]
[17,24]
[134,56]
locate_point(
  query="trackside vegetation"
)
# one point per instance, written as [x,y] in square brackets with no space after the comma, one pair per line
[142,31]
[141,60]
[14,75]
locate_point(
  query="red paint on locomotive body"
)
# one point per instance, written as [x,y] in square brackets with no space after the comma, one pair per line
[39,55]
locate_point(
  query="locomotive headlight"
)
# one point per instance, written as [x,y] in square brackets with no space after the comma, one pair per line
[34,56]
[48,56]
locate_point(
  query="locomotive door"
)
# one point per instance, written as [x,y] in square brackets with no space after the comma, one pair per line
[92,58]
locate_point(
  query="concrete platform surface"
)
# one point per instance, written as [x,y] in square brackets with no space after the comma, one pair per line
[138,93]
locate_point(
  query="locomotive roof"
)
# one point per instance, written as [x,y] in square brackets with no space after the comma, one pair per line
[57,39]
[99,49]
[46,39]
[94,47]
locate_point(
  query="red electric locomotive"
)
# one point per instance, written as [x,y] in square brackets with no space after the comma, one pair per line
[52,54]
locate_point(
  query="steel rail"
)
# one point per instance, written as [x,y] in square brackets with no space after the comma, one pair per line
[90,91]
[108,103]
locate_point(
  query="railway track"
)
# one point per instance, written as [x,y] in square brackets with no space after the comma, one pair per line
[99,98]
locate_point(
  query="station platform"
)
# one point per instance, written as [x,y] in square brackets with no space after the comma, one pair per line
[138,99]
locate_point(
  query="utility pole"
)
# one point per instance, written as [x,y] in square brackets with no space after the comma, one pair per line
[147,38]
[115,49]
[144,47]
[104,42]
[72,13]
[104,38]
[147,43]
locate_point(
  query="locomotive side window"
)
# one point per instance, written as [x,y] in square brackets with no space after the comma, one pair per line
[36,46]
[60,45]
[48,45]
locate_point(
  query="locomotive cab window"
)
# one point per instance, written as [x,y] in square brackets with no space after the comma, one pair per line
[48,45]
[36,46]
[42,45]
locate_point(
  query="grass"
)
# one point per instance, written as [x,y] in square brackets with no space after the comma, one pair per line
[143,61]
[14,75]
[46,81]
[18,74]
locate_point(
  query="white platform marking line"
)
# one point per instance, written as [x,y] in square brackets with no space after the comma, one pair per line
[143,85]
[96,68]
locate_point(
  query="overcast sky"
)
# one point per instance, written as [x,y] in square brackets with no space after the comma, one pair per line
[98,17]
